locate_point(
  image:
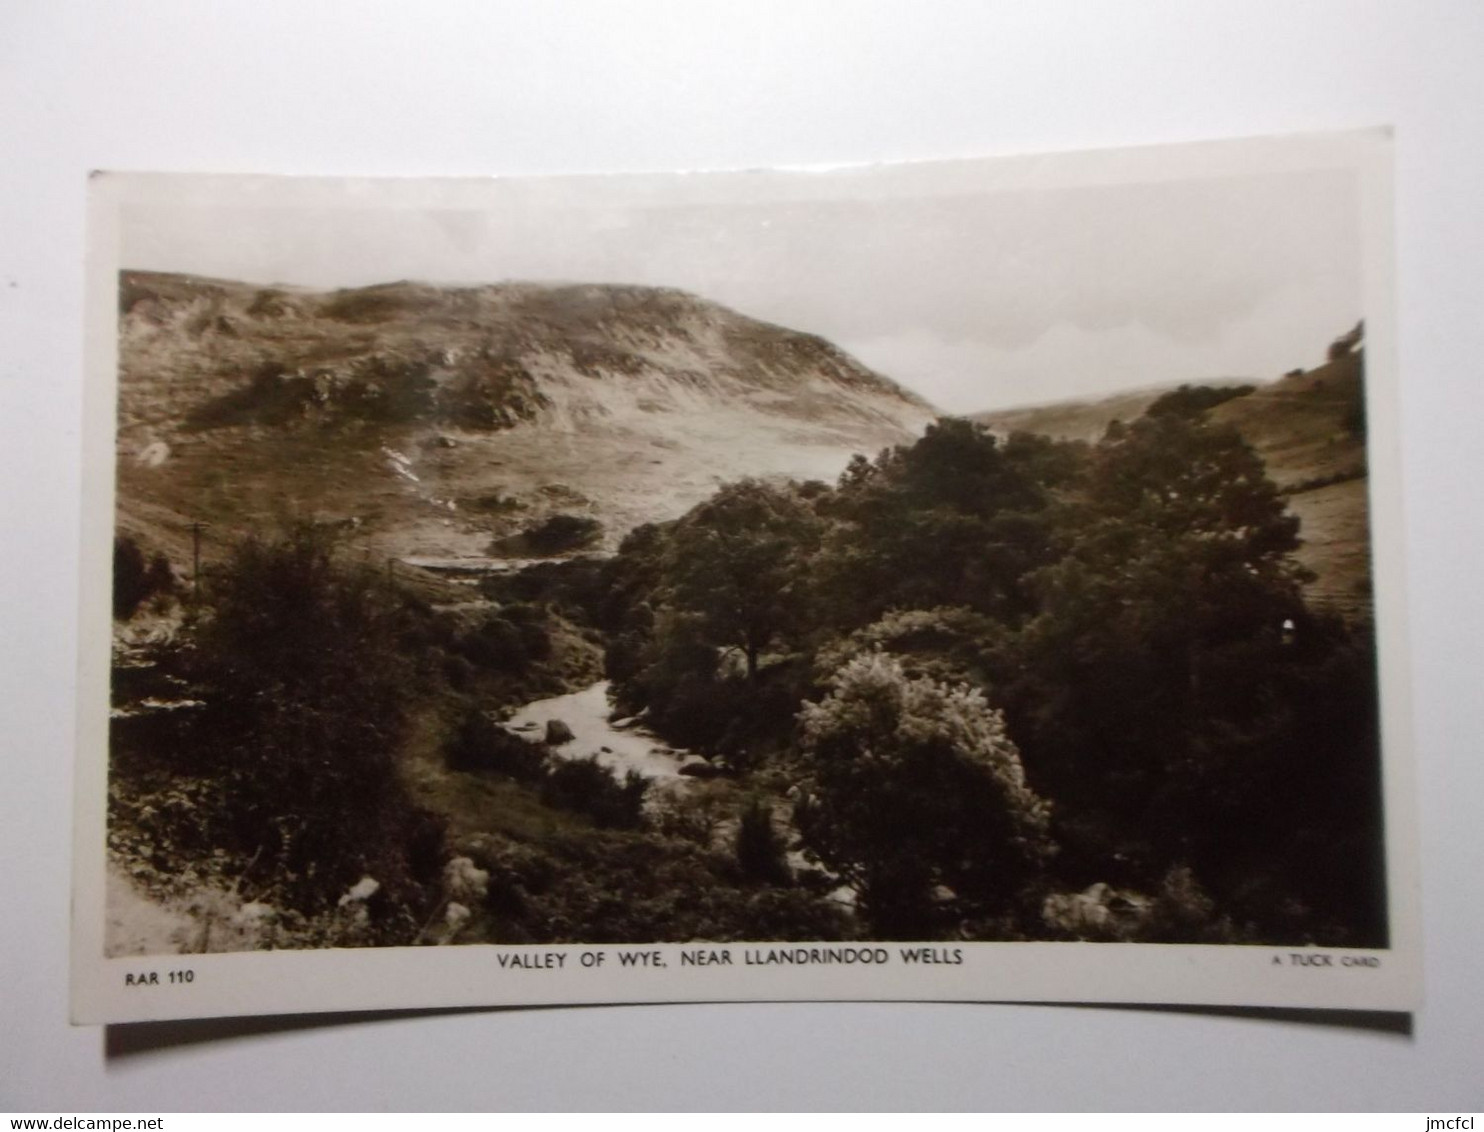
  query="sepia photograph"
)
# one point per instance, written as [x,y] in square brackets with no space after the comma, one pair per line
[814,576]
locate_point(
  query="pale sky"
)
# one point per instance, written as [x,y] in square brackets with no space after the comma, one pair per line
[974,300]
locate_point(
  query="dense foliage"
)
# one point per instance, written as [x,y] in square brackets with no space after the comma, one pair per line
[307,689]
[977,688]
[915,796]
[1134,610]
[135,581]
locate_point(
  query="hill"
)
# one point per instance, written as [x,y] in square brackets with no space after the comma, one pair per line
[1076,419]
[1308,426]
[431,421]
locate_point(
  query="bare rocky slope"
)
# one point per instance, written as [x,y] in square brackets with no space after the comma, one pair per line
[431,421]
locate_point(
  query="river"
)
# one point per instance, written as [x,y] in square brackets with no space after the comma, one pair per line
[627,748]
[620,749]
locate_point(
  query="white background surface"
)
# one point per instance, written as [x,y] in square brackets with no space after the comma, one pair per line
[482,87]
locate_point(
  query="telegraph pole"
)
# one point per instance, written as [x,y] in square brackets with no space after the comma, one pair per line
[196,529]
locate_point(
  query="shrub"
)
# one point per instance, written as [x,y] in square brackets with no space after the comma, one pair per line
[912,789]
[299,662]
[694,814]
[561,533]
[508,641]
[493,503]
[1193,401]
[480,744]
[760,851]
[608,886]
[134,582]
[586,787]
[1180,913]
[1100,913]
[1354,420]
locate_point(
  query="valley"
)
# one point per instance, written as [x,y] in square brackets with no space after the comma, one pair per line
[541,613]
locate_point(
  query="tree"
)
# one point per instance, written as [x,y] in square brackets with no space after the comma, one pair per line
[585,786]
[1193,401]
[133,581]
[479,744]
[1171,599]
[956,519]
[307,688]
[736,562]
[1174,692]
[760,851]
[129,585]
[560,533]
[915,796]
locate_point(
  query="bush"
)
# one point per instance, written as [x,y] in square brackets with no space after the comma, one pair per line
[760,851]
[388,390]
[134,582]
[493,503]
[509,641]
[586,787]
[915,796]
[300,664]
[1354,420]
[561,533]
[624,887]
[480,744]
[1193,401]
[1180,913]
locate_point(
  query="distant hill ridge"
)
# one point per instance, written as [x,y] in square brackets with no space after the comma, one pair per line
[481,356]
[1083,418]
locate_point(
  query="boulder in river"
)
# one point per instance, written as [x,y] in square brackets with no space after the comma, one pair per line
[700,768]
[557,732]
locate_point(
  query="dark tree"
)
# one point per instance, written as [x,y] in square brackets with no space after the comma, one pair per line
[587,787]
[760,851]
[1171,599]
[129,584]
[479,744]
[1174,691]
[1192,401]
[736,562]
[956,519]
[307,690]
[561,533]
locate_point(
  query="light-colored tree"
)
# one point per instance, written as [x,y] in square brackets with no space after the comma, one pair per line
[915,796]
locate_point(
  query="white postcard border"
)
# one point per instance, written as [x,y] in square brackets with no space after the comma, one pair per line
[142,988]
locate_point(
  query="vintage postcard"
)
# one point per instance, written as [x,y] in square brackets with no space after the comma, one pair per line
[975,580]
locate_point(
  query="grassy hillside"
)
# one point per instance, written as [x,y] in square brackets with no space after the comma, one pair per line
[1308,427]
[1075,419]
